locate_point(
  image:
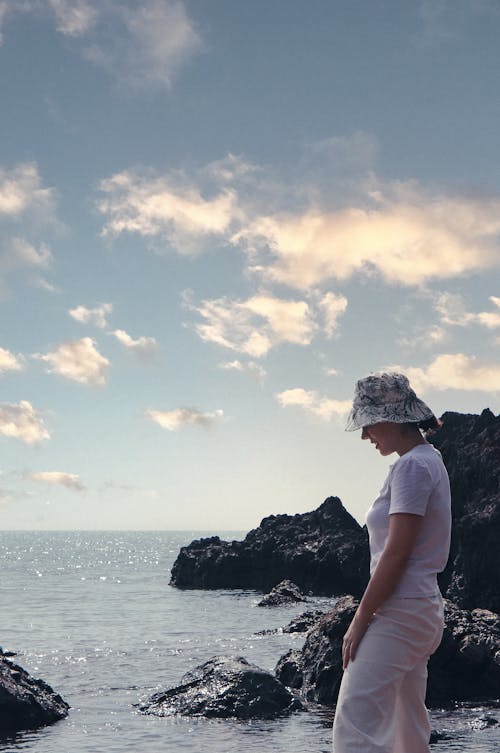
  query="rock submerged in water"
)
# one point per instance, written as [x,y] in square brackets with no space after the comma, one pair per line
[284,593]
[466,666]
[26,703]
[225,687]
[324,551]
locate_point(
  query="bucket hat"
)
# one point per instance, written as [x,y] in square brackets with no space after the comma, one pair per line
[386,396]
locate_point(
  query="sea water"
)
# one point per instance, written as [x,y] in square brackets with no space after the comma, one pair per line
[94,616]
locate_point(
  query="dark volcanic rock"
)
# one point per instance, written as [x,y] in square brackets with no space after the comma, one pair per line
[470,445]
[317,668]
[304,621]
[284,593]
[26,703]
[324,552]
[225,687]
[466,666]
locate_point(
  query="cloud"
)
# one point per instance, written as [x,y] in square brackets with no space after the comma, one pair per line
[453,311]
[250,367]
[397,231]
[142,45]
[25,205]
[307,237]
[333,307]
[21,190]
[166,208]
[142,346]
[180,417]
[256,325]
[456,371]
[10,362]
[21,421]
[96,316]
[58,478]
[74,17]
[445,21]
[79,361]
[313,403]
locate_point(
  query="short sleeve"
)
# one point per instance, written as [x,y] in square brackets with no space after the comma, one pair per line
[411,487]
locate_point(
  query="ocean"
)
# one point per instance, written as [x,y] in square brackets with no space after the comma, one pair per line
[93,615]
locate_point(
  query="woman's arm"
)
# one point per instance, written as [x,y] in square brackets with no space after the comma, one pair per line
[403,532]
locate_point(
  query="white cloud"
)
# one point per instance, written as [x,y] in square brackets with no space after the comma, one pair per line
[256,325]
[453,311]
[74,17]
[96,316]
[396,231]
[456,371]
[250,367]
[165,208]
[21,189]
[10,362]
[311,402]
[180,417]
[333,307]
[79,361]
[58,478]
[142,346]
[18,252]
[138,44]
[21,421]
[142,44]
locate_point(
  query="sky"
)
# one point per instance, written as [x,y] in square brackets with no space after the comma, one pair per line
[216,216]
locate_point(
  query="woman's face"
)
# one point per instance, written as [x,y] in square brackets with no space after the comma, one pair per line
[386,436]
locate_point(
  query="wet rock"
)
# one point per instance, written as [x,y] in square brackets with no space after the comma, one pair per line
[324,551]
[225,687]
[483,722]
[466,666]
[317,668]
[26,703]
[303,622]
[281,595]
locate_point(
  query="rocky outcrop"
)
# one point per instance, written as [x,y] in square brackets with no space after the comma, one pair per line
[470,445]
[281,595]
[303,622]
[225,687]
[26,703]
[466,666]
[324,552]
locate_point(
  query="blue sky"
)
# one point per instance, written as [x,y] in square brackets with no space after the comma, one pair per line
[214,218]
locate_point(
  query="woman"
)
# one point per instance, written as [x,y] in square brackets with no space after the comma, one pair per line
[399,621]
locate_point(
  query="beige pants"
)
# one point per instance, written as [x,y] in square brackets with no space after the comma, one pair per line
[381,708]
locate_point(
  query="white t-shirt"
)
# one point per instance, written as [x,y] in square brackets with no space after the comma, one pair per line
[417,483]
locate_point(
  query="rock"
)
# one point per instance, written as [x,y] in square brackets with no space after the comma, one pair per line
[466,666]
[470,445]
[317,668]
[324,551]
[284,593]
[224,687]
[303,622]
[26,703]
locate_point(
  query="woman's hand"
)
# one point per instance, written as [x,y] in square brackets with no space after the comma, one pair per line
[352,639]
